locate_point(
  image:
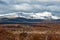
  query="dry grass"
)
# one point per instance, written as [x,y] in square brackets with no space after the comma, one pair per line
[5,35]
[26,32]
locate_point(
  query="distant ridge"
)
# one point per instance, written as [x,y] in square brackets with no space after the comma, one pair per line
[18,20]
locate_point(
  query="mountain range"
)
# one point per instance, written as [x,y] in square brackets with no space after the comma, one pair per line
[21,17]
[24,20]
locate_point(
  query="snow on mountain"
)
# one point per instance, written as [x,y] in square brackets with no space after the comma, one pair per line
[42,15]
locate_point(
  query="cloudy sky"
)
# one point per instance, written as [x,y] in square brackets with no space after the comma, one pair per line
[31,8]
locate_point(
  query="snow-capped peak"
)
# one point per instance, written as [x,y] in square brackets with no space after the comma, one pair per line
[42,15]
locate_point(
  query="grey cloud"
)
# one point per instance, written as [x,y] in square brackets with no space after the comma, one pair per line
[6,6]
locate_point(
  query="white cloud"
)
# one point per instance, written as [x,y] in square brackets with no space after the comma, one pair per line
[44,14]
[53,8]
[10,15]
[37,6]
[20,1]
[48,0]
[29,1]
[23,7]
[55,17]
[30,7]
